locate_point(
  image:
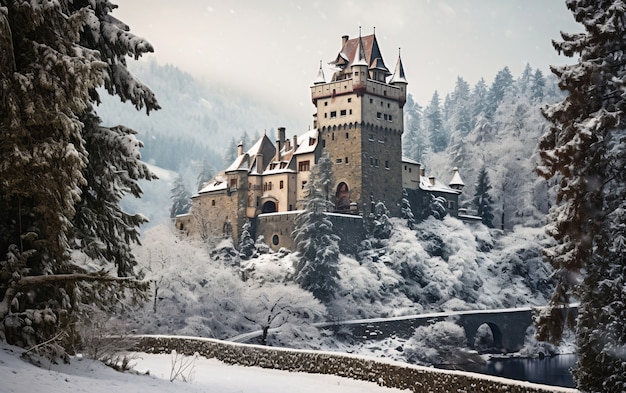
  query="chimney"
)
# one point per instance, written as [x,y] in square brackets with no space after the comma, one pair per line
[295,142]
[287,145]
[259,163]
[344,39]
[432,180]
[240,149]
[281,136]
[278,148]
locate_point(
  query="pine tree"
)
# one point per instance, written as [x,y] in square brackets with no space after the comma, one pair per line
[537,86]
[317,246]
[180,197]
[434,122]
[482,199]
[586,150]
[247,247]
[205,172]
[406,211]
[414,140]
[62,174]
[502,83]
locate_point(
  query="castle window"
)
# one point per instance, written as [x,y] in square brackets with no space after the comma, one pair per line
[381,103]
[213,202]
[388,105]
[384,92]
[282,184]
[325,115]
[303,184]
[283,165]
[405,167]
[379,115]
[387,164]
[346,160]
[304,166]
[233,182]
[349,100]
[371,101]
[326,104]
[371,138]
[342,113]
[386,116]
[338,160]
[390,118]
[275,240]
[332,136]
[356,73]
[333,114]
[376,162]
[323,142]
[269,186]
[350,111]
[451,205]
[347,135]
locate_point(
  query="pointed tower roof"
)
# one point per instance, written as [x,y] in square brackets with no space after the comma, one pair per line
[456,182]
[371,53]
[320,76]
[398,75]
[359,56]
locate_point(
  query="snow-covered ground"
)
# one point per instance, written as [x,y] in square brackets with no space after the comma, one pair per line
[207,376]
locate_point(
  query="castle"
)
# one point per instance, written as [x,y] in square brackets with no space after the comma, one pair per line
[359,121]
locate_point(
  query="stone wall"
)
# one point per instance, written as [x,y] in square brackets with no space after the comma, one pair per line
[276,229]
[389,374]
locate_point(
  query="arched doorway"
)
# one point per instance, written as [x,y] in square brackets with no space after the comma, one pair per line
[342,197]
[269,207]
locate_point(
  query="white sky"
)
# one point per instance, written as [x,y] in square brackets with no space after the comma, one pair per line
[270,49]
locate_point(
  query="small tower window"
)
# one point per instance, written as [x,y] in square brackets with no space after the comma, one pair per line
[338,160]
[349,100]
[282,184]
[346,160]
[379,115]
[343,112]
[333,114]
[347,135]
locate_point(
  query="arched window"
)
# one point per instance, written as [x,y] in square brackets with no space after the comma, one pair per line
[342,197]
[269,207]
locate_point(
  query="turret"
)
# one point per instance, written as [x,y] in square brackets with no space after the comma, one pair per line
[359,66]
[320,76]
[398,78]
[456,182]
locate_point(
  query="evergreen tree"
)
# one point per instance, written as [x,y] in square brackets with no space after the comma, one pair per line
[537,86]
[406,211]
[380,225]
[180,197]
[482,199]
[502,83]
[414,140]
[62,175]
[205,172]
[246,242]
[586,150]
[478,100]
[317,246]
[524,82]
[434,122]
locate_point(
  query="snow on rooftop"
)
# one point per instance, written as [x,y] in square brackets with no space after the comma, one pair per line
[410,161]
[426,185]
[240,164]
[307,142]
[218,183]
[456,178]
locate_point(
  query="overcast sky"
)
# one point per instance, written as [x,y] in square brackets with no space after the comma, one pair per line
[271,49]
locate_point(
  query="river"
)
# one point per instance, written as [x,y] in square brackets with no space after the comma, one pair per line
[552,370]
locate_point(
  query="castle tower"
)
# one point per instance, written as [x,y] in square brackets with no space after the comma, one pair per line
[360,119]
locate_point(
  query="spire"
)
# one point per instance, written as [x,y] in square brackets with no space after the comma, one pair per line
[320,76]
[456,182]
[359,56]
[398,75]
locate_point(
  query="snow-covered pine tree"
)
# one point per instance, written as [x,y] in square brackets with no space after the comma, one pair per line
[180,197]
[406,211]
[434,124]
[317,246]
[380,224]
[586,148]
[482,200]
[414,139]
[205,172]
[501,85]
[62,175]
[246,247]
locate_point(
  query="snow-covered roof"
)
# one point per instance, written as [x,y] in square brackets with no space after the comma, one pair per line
[456,178]
[427,185]
[409,161]
[307,142]
[241,163]
[398,75]
[218,183]
[320,76]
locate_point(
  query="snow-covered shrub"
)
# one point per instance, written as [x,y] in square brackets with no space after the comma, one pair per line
[439,343]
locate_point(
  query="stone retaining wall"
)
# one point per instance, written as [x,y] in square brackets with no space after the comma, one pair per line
[389,374]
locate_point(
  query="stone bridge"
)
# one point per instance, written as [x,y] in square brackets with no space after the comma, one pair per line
[508,326]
